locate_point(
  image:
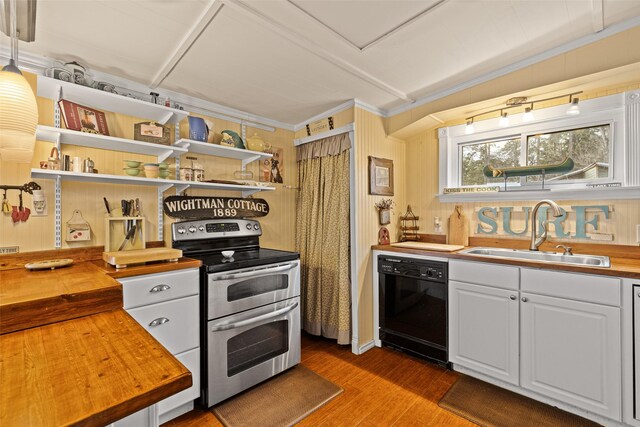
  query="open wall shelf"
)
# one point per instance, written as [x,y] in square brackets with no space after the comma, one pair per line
[101,100]
[83,139]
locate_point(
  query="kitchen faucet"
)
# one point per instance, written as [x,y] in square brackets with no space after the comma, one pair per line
[535,240]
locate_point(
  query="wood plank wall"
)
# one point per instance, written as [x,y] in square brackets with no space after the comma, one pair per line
[38,232]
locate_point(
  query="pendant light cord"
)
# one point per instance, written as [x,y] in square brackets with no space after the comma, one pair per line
[13,30]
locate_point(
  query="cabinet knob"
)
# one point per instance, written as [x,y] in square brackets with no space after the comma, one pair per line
[513,297]
[159,288]
[525,299]
[159,321]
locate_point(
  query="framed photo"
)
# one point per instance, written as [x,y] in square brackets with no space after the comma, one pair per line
[380,176]
[152,132]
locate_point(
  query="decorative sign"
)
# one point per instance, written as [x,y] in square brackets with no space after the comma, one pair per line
[471,190]
[196,207]
[320,126]
[488,218]
[607,185]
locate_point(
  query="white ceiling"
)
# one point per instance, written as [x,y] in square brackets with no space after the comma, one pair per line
[289,60]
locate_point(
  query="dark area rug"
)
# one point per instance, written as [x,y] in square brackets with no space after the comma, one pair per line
[280,401]
[489,405]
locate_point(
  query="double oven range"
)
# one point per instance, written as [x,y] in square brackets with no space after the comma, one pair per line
[249,305]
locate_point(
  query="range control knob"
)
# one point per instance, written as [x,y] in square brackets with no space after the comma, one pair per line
[256,227]
[181,230]
[429,273]
[192,229]
[201,228]
[248,226]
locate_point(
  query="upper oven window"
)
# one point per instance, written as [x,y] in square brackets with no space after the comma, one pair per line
[257,286]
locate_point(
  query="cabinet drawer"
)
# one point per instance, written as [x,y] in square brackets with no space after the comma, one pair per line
[482,273]
[153,288]
[173,323]
[191,360]
[580,287]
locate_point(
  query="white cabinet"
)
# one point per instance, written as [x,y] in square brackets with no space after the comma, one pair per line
[483,329]
[167,305]
[554,334]
[571,351]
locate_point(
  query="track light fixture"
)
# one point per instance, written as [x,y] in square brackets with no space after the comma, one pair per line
[528,114]
[504,120]
[573,109]
[519,102]
[469,129]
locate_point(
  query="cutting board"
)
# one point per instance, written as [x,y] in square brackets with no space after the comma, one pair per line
[428,246]
[458,228]
[121,259]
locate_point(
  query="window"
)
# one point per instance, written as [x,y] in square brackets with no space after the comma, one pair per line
[588,147]
[504,153]
[600,141]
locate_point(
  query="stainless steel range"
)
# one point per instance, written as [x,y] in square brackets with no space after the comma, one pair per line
[250,305]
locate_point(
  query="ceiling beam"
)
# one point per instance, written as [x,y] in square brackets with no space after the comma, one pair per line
[597,15]
[316,49]
[187,41]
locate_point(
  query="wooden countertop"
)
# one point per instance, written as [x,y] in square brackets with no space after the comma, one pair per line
[92,370]
[620,267]
[35,298]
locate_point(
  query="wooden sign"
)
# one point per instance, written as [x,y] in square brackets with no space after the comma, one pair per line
[320,126]
[196,207]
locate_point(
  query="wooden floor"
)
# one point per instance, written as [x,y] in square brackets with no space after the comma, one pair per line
[381,388]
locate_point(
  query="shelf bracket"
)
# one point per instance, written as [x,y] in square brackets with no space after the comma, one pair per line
[248,160]
[181,188]
[166,118]
[165,155]
[249,193]
[58,95]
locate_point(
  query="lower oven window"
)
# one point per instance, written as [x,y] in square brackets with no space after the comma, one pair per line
[257,286]
[257,345]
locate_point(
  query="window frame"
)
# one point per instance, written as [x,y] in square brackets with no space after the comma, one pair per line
[608,110]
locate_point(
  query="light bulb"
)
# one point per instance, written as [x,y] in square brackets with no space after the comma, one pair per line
[574,110]
[528,115]
[469,129]
[504,120]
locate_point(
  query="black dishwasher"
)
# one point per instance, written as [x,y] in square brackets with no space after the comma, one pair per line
[413,306]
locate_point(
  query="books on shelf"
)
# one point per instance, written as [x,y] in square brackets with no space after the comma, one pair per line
[85,119]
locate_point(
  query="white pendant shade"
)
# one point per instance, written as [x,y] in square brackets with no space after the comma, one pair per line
[18,118]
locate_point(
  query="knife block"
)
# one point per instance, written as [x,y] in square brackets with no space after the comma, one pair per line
[115,232]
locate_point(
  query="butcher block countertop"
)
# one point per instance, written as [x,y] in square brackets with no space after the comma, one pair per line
[92,370]
[620,266]
[69,353]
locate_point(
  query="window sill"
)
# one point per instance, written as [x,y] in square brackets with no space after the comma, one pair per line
[617,193]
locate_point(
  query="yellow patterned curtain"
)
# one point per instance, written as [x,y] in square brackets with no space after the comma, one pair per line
[322,237]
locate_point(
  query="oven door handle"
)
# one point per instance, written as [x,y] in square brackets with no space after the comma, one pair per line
[255,272]
[226,326]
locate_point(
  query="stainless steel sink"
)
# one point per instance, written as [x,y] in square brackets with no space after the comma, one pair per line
[552,257]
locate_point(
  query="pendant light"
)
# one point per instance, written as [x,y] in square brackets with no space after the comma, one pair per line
[18,107]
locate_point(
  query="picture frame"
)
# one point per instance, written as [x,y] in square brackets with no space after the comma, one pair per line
[380,176]
[152,132]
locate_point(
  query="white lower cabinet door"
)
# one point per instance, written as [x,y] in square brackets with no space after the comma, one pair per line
[571,352]
[146,417]
[483,330]
[191,360]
